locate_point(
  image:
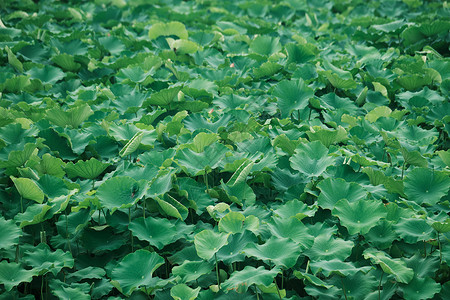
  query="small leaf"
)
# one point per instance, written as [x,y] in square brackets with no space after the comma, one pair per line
[165,29]
[132,145]
[183,292]
[28,189]
[208,242]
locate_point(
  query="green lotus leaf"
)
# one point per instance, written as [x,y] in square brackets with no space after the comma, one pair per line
[293,229]
[183,292]
[311,159]
[382,235]
[121,192]
[202,140]
[232,222]
[52,186]
[195,192]
[66,62]
[43,260]
[394,26]
[445,156]
[47,75]
[240,193]
[89,169]
[34,214]
[420,288]
[129,103]
[197,121]
[12,274]
[413,230]
[161,184]
[265,45]
[312,279]
[394,266]
[282,252]
[267,69]
[67,292]
[17,158]
[132,145]
[13,61]
[136,269]
[414,158]
[334,189]
[158,232]
[51,165]
[88,272]
[425,186]
[208,242]
[196,163]
[326,247]
[336,266]
[292,95]
[72,117]
[300,53]
[191,270]
[234,250]
[378,112]
[28,189]
[112,44]
[166,29]
[9,234]
[339,82]
[423,266]
[442,227]
[361,216]
[242,280]
[183,46]
[135,74]
[163,97]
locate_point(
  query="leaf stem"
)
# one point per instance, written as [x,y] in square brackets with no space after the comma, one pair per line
[379,285]
[343,288]
[278,290]
[217,270]
[131,234]
[21,204]
[440,248]
[403,168]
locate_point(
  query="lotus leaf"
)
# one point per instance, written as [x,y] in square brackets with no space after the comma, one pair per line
[43,260]
[420,288]
[327,247]
[183,292]
[89,169]
[121,192]
[12,274]
[208,242]
[192,270]
[242,280]
[311,159]
[158,232]
[425,186]
[334,189]
[359,217]
[28,189]
[292,95]
[281,252]
[9,233]
[394,266]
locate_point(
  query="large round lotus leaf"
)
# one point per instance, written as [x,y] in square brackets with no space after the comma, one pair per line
[265,45]
[426,186]
[311,159]
[423,266]
[292,95]
[249,275]
[280,251]
[89,169]
[43,260]
[357,286]
[67,292]
[334,189]
[336,266]
[233,222]
[442,227]
[420,288]
[9,233]
[121,192]
[183,292]
[233,251]
[359,217]
[191,270]
[326,247]
[195,163]
[293,229]
[28,189]
[12,274]
[414,230]
[208,242]
[382,235]
[157,231]
[48,74]
[394,266]
[294,208]
[136,269]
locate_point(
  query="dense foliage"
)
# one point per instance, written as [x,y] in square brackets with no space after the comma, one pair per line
[217,149]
